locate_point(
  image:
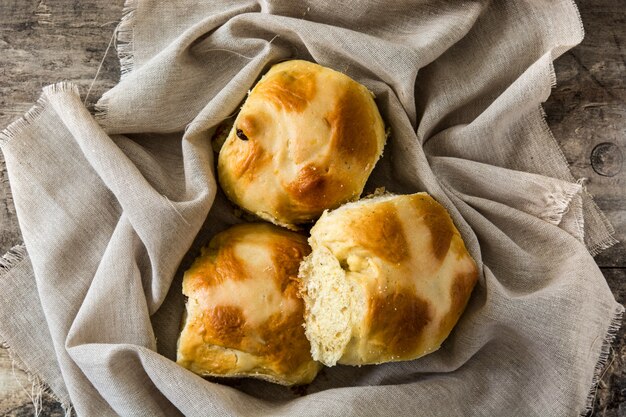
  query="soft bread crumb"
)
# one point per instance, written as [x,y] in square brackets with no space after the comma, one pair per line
[335,305]
[326,293]
[387,279]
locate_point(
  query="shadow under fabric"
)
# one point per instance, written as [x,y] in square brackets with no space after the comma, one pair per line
[111,206]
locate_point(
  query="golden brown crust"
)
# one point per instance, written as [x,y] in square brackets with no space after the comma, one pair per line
[351,130]
[224,326]
[249,160]
[244,313]
[380,231]
[394,320]
[285,345]
[462,285]
[306,140]
[408,260]
[313,189]
[290,90]
[436,218]
[224,265]
[286,255]
[280,339]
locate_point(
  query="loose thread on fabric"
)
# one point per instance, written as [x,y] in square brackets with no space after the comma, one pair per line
[232,52]
[237,53]
[581,27]
[294,46]
[605,244]
[221,119]
[38,388]
[124,45]
[106,53]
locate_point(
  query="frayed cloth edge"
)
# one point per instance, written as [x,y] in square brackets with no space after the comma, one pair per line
[125,47]
[605,350]
[18,126]
[124,39]
[8,261]
[38,387]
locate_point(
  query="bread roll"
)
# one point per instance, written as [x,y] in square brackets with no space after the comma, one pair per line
[305,140]
[387,280]
[244,316]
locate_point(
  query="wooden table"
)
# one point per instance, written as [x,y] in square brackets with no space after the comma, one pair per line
[44,41]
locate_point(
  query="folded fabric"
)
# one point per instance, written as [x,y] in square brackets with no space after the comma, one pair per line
[113,207]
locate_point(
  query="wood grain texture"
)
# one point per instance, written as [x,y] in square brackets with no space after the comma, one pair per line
[45,41]
[588,108]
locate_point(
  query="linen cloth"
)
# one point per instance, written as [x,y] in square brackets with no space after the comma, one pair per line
[114,207]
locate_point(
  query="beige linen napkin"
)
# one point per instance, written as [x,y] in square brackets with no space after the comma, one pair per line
[113,207]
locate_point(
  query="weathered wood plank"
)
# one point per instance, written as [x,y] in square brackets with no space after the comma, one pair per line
[588,108]
[43,42]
